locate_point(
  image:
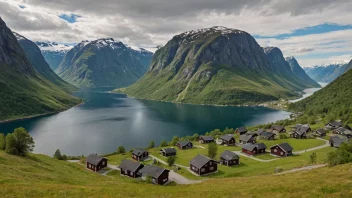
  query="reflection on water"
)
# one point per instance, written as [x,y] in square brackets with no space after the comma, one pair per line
[106,121]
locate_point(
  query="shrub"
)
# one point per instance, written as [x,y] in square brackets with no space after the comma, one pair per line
[342,155]
[19,142]
[171,160]
[151,144]
[212,150]
[120,150]
[163,143]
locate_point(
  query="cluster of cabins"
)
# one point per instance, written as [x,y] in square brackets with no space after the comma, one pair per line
[202,165]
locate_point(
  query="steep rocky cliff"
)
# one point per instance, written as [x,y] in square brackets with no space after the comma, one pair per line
[215,65]
[38,62]
[23,91]
[53,52]
[298,71]
[103,62]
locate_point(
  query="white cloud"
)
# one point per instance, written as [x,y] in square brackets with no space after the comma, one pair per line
[151,22]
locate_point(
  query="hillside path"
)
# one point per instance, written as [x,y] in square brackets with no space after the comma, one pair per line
[302,169]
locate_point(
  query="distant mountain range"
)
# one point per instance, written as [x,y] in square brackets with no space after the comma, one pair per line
[104,62]
[218,65]
[326,73]
[37,60]
[23,90]
[53,52]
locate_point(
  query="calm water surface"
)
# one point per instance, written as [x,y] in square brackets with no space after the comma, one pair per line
[107,120]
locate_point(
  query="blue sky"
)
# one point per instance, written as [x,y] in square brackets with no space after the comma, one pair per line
[71,18]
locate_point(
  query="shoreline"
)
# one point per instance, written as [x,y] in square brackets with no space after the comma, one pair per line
[38,115]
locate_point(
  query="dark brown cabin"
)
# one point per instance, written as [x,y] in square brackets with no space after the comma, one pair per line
[159,175]
[184,145]
[229,158]
[278,129]
[282,150]
[166,152]
[241,130]
[96,163]
[228,140]
[130,168]
[299,134]
[245,139]
[140,154]
[267,135]
[202,165]
[254,149]
[206,139]
[320,133]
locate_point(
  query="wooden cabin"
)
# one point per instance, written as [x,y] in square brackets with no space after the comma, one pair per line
[130,168]
[267,135]
[334,125]
[259,131]
[302,127]
[298,134]
[159,175]
[282,150]
[96,163]
[203,165]
[254,149]
[140,154]
[241,130]
[166,152]
[184,145]
[229,158]
[336,141]
[343,131]
[244,139]
[278,129]
[320,133]
[206,139]
[228,140]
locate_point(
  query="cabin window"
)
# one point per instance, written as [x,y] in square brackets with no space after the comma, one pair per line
[275,150]
[103,163]
[131,173]
[202,170]
[281,153]
[211,168]
[210,163]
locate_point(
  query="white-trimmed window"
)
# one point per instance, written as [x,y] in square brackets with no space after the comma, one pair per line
[275,150]
[211,168]
[202,170]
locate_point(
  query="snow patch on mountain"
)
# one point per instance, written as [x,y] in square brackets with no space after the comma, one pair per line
[19,37]
[48,46]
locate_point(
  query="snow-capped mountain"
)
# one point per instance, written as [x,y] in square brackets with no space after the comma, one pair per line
[104,62]
[53,52]
[326,72]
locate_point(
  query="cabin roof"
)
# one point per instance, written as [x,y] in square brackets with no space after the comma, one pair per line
[250,147]
[200,160]
[228,155]
[245,137]
[130,165]
[336,124]
[278,128]
[139,152]
[259,131]
[267,134]
[183,143]
[343,130]
[284,146]
[94,159]
[226,137]
[152,171]
[207,138]
[242,129]
[321,131]
[168,150]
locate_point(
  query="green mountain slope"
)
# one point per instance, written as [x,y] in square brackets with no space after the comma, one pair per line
[24,92]
[102,63]
[215,66]
[300,73]
[349,66]
[37,60]
[332,101]
[43,176]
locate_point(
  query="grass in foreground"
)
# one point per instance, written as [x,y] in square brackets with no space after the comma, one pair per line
[42,176]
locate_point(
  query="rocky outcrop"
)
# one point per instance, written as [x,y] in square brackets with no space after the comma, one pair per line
[38,62]
[23,91]
[300,73]
[103,62]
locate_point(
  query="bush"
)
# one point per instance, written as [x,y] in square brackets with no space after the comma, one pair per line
[212,150]
[57,154]
[342,155]
[151,144]
[120,150]
[19,142]
[171,160]
[163,143]
[2,141]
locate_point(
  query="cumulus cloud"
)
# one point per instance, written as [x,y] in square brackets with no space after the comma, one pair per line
[153,22]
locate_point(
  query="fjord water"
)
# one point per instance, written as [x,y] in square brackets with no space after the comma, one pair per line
[106,121]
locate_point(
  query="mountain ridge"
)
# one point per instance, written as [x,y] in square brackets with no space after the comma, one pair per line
[103,62]
[326,73]
[191,67]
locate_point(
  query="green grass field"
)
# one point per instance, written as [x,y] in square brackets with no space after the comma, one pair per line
[42,176]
